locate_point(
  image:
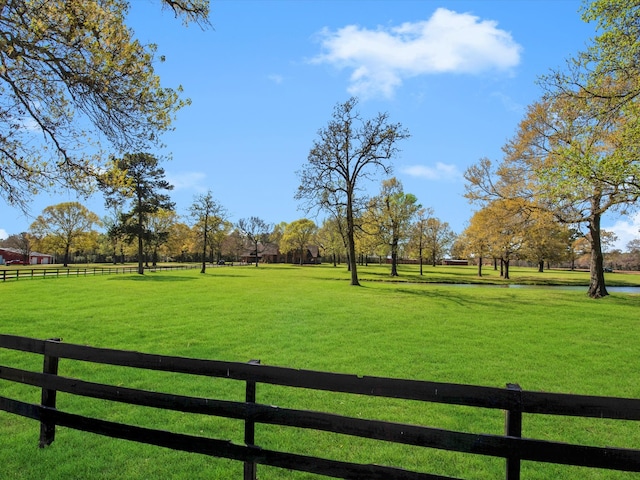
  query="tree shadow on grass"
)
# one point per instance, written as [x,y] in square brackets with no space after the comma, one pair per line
[459,298]
[152,278]
[170,278]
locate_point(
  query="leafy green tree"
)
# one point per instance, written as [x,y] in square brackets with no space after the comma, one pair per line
[475,237]
[158,228]
[64,225]
[349,150]
[68,65]
[140,183]
[593,104]
[499,229]
[546,239]
[608,69]
[209,217]
[438,238]
[417,238]
[369,240]
[276,234]
[179,241]
[297,236]
[392,213]
[115,233]
[330,240]
[574,156]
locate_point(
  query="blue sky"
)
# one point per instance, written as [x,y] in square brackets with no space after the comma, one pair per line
[457,74]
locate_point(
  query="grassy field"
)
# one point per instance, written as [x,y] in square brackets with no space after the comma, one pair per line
[544,339]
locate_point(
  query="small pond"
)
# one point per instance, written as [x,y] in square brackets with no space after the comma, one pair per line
[558,287]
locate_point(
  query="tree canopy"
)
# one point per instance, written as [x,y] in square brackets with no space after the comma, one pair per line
[74,82]
[575,153]
[297,236]
[64,225]
[139,182]
[391,213]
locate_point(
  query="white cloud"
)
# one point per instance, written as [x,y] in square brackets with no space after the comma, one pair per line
[3,234]
[441,171]
[449,42]
[508,103]
[187,180]
[275,78]
[625,230]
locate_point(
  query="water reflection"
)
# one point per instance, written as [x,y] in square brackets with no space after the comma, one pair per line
[556,287]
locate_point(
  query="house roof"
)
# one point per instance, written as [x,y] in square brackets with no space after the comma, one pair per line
[314,250]
[263,249]
[17,251]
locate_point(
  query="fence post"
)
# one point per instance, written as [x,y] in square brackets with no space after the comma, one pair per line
[50,366]
[513,428]
[250,468]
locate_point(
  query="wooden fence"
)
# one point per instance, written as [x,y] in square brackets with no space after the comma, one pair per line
[22,272]
[510,446]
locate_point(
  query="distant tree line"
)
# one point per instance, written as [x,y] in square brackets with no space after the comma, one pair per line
[72,65]
[392,228]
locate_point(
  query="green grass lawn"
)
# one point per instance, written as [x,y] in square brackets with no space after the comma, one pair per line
[309,317]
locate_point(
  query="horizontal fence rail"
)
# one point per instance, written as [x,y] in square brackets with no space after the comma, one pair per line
[511,446]
[24,273]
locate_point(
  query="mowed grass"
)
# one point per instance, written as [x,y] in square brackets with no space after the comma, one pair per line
[310,318]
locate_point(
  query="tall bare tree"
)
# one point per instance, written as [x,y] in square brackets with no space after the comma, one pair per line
[208,215]
[255,231]
[348,151]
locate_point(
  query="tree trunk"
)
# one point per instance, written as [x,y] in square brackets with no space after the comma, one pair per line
[505,263]
[204,246]
[394,258]
[541,266]
[480,266]
[140,234]
[256,245]
[597,288]
[352,244]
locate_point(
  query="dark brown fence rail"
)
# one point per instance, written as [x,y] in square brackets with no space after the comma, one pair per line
[512,400]
[24,273]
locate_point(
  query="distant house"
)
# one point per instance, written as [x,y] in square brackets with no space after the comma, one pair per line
[453,261]
[267,253]
[311,255]
[14,254]
[270,253]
